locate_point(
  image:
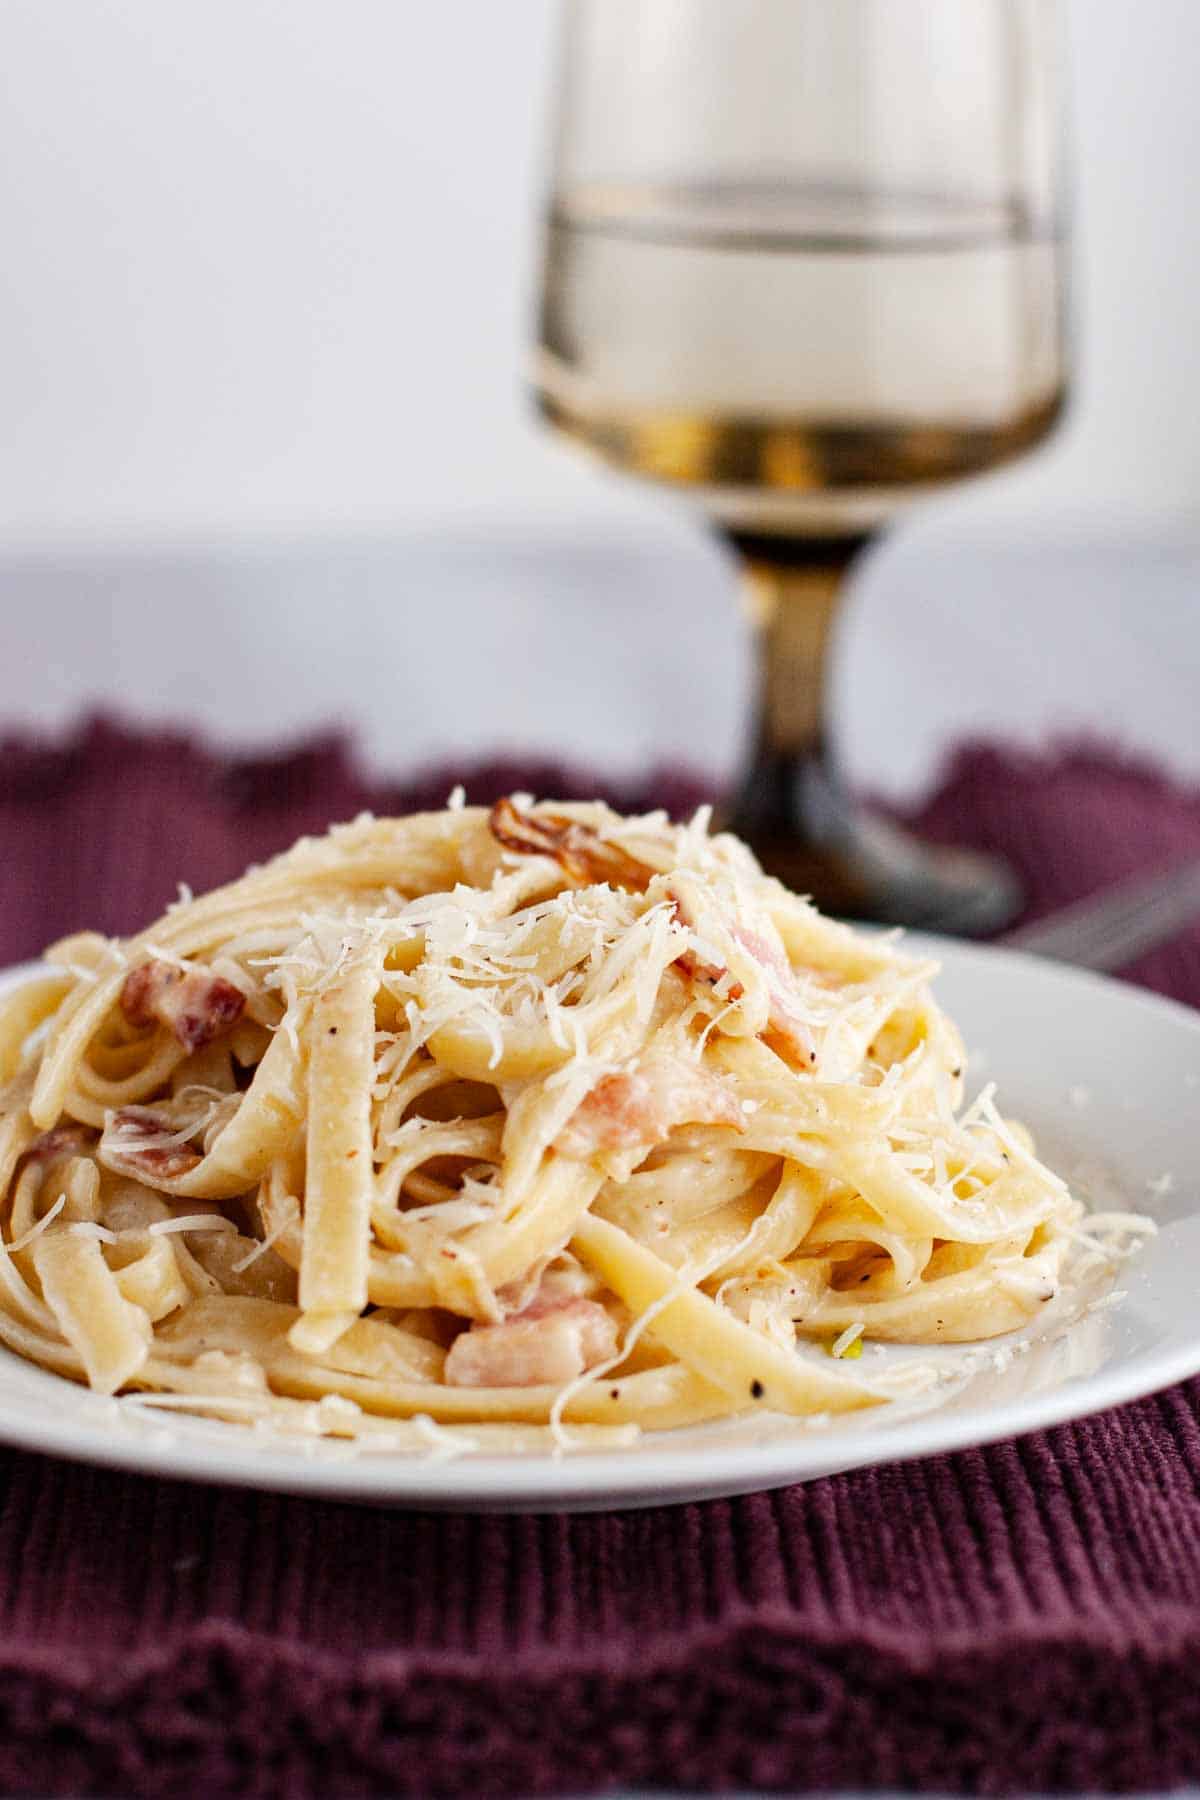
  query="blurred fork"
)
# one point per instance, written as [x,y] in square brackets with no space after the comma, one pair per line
[1110,929]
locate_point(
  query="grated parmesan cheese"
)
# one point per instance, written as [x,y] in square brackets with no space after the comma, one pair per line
[35,1231]
[191,1222]
[86,1228]
[289,1215]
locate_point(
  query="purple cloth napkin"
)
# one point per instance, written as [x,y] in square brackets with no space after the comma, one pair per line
[1022,1617]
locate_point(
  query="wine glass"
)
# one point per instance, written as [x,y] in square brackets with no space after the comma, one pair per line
[806,258]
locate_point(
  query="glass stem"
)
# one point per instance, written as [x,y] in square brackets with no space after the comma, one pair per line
[791,806]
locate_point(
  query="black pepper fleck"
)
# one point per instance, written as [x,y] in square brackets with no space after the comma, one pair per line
[756,1390]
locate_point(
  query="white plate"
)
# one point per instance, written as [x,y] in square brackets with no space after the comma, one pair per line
[1108,1078]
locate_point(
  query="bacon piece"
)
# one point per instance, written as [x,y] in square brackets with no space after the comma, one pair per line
[193,1004]
[697,970]
[124,1146]
[533,1348]
[687,960]
[52,1146]
[786,1031]
[642,1106]
[543,1290]
[579,850]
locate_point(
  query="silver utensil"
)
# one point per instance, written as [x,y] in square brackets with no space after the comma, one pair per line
[1110,929]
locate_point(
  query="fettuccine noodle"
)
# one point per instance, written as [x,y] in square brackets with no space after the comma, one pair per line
[538,1118]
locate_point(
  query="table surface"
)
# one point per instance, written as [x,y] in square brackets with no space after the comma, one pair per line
[611,652]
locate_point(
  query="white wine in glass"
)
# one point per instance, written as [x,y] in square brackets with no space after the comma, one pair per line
[805,259]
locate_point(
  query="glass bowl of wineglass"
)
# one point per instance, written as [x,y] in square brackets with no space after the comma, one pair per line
[805,259]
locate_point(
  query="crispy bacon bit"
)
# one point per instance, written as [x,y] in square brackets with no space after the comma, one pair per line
[52,1146]
[533,1348]
[128,1146]
[698,970]
[580,852]
[643,1106]
[688,961]
[194,1005]
[555,1290]
[786,1032]
[547,1289]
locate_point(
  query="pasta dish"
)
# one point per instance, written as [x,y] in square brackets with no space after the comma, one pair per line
[538,1121]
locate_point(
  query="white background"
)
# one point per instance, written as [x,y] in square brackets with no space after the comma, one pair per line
[265,281]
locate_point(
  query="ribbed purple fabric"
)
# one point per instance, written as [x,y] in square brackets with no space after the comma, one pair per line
[1024,1617]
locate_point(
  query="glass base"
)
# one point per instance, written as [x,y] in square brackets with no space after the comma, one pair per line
[856,866]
